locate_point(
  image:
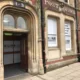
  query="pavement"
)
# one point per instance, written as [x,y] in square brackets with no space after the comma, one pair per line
[70,72]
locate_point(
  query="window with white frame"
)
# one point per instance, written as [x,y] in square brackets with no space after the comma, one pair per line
[68,35]
[52,32]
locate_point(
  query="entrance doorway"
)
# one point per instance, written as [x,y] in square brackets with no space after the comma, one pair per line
[15,53]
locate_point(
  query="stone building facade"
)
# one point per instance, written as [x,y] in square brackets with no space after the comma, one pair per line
[21,34]
[78,23]
[60,33]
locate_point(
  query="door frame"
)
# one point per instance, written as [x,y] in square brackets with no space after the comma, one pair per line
[24,63]
[25,37]
[33,22]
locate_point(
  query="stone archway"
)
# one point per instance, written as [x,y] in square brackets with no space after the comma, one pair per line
[32,36]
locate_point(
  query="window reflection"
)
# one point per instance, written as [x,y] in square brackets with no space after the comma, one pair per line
[8,21]
[21,23]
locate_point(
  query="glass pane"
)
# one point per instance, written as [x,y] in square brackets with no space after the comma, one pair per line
[52,32]
[52,23]
[8,21]
[68,35]
[21,23]
[68,42]
[67,29]
[52,40]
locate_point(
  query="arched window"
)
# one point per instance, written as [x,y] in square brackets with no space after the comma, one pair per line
[8,21]
[21,23]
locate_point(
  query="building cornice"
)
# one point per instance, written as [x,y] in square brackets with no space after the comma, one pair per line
[60,7]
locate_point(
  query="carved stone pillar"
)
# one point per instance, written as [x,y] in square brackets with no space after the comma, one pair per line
[1,50]
[62,35]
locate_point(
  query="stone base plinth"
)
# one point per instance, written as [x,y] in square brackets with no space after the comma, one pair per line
[1,73]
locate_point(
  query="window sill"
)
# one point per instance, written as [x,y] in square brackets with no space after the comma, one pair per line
[15,30]
[53,48]
[70,52]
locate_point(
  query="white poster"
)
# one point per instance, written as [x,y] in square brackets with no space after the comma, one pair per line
[11,46]
[52,32]
[68,35]
[8,46]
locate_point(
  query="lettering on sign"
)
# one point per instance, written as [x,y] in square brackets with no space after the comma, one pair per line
[10,46]
[53,5]
[67,30]
[51,38]
[19,4]
[68,11]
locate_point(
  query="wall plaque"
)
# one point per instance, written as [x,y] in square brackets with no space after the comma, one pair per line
[58,6]
[19,4]
[68,11]
[52,5]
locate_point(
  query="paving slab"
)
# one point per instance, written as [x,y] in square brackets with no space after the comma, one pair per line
[35,78]
[70,72]
[65,73]
[64,79]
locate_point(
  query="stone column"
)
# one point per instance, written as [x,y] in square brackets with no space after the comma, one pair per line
[40,62]
[1,51]
[62,35]
[33,47]
[35,43]
[41,69]
[74,37]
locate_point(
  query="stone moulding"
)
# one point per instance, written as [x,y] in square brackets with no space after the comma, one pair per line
[58,6]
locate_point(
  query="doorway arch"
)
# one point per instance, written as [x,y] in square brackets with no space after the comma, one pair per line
[32,34]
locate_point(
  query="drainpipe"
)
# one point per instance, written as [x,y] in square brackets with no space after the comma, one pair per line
[43,38]
[75,1]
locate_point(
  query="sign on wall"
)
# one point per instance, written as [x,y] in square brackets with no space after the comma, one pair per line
[68,35]
[22,3]
[11,46]
[56,5]
[19,4]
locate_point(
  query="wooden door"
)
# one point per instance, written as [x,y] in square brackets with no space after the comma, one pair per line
[24,52]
